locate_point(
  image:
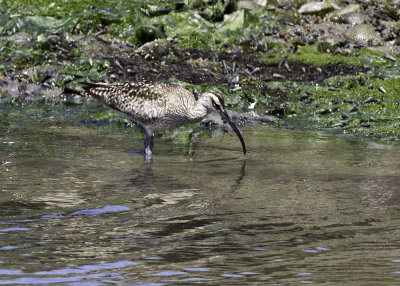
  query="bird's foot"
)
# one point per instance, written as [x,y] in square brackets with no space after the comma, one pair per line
[148,154]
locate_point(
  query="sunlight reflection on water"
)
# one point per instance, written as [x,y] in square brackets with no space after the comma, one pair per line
[301,207]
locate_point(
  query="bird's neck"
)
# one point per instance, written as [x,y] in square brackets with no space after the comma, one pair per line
[198,110]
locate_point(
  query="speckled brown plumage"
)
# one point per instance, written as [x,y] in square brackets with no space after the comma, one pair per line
[156,106]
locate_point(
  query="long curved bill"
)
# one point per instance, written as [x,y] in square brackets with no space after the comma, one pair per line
[225,117]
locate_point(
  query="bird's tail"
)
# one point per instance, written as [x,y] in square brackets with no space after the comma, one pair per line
[85,92]
[71,90]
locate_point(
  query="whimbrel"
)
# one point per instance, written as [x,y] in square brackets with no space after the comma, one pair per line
[156,106]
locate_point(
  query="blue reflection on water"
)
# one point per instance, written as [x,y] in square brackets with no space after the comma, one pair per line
[67,271]
[188,279]
[196,269]
[115,208]
[52,216]
[169,273]
[310,250]
[9,247]
[232,275]
[88,268]
[52,280]
[147,284]
[14,229]
[10,272]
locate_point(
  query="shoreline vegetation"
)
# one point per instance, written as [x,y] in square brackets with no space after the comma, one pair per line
[330,65]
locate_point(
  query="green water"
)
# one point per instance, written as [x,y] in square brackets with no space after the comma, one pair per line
[78,207]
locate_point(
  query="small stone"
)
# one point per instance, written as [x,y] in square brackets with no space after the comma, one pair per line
[316,8]
[389,57]
[341,124]
[381,89]
[355,19]
[323,111]
[155,49]
[332,88]
[304,97]
[362,34]
[366,124]
[278,76]
[353,109]
[374,120]
[345,10]
[370,100]
[348,100]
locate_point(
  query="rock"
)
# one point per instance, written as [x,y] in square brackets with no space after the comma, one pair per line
[341,124]
[349,100]
[370,100]
[353,109]
[355,19]
[327,46]
[155,49]
[362,34]
[316,8]
[290,16]
[248,5]
[94,47]
[304,97]
[337,16]
[381,89]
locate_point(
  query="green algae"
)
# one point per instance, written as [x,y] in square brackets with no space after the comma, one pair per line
[86,67]
[18,55]
[311,56]
[197,25]
[354,108]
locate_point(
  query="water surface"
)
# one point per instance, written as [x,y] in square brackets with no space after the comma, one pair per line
[79,207]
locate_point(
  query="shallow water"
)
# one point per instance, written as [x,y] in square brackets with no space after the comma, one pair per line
[78,207]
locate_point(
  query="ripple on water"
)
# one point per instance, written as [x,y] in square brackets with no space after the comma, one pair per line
[106,209]
[170,273]
[14,229]
[32,278]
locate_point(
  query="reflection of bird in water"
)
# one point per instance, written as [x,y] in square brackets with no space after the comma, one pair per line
[156,106]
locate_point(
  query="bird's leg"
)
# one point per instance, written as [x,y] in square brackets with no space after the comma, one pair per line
[151,143]
[148,148]
[148,145]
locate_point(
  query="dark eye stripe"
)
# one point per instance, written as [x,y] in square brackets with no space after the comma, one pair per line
[216,106]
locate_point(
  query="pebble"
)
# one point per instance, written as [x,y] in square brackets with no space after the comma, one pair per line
[362,34]
[348,100]
[370,100]
[354,19]
[353,109]
[381,89]
[304,97]
[389,57]
[373,119]
[316,8]
[341,124]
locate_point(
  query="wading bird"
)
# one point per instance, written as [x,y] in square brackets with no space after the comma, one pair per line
[157,106]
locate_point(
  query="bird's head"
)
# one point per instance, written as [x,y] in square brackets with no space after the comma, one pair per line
[213,101]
